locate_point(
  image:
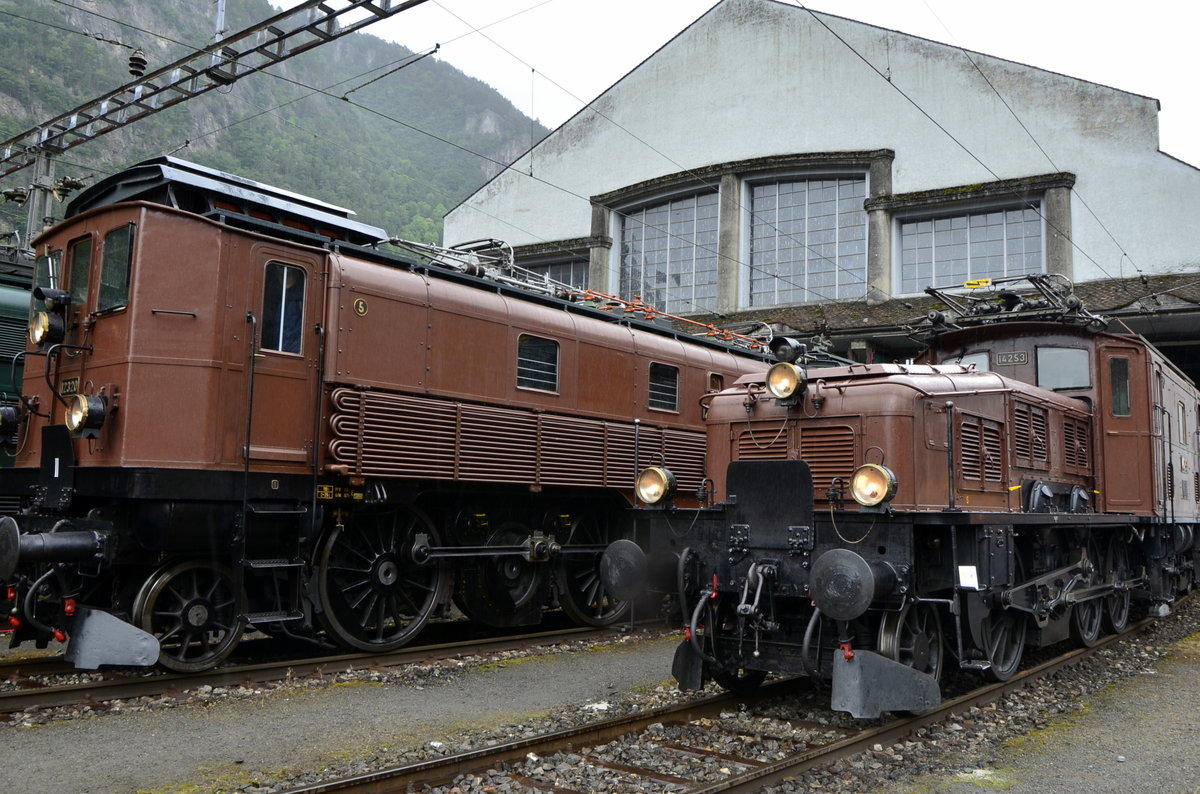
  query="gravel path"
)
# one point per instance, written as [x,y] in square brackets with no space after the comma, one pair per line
[1141,734]
[234,738]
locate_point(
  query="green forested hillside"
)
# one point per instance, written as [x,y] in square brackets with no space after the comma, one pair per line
[430,134]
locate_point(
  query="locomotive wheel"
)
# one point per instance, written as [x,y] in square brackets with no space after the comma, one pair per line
[1086,615]
[581,594]
[502,591]
[1085,622]
[1117,603]
[1004,637]
[191,607]
[373,596]
[913,637]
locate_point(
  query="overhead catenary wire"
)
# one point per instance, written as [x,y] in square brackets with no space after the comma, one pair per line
[505,166]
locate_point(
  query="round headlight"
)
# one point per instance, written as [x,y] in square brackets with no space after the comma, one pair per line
[655,484]
[786,380]
[85,412]
[45,328]
[872,485]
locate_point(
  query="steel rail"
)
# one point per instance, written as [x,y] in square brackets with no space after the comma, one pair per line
[759,774]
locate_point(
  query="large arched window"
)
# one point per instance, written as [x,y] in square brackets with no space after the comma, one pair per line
[949,248]
[808,241]
[669,253]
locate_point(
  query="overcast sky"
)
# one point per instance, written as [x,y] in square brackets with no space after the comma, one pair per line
[550,57]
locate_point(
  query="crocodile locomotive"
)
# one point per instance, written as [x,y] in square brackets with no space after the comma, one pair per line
[1029,480]
[240,408]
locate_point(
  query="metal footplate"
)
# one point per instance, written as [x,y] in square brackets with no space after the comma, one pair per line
[100,638]
[866,684]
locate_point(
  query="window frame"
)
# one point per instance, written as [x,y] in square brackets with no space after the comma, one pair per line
[109,264]
[669,302]
[285,306]
[952,212]
[73,247]
[553,368]
[810,294]
[1123,381]
[673,407]
[1079,355]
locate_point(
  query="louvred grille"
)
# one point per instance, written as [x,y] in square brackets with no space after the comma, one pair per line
[392,435]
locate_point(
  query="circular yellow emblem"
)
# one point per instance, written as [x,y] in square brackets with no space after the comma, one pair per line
[360,307]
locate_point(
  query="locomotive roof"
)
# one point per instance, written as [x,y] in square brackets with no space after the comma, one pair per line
[180,184]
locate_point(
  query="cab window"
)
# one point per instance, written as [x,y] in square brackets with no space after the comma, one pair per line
[114,269]
[47,270]
[283,307]
[1119,376]
[981,361]
[1063,368]
[81,268]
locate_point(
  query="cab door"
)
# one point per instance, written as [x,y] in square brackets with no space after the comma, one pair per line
[1126,427]
[286,300]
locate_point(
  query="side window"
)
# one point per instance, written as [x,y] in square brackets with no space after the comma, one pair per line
[283,307]
[114,271]
[1063,368]
[45,274]
[537,363]
[981,361]
[1119,371]
[47,270]
[1181,412]
[81,266]
[664,387]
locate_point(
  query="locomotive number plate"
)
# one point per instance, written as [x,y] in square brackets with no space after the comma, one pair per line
[1012,358]
[69,386]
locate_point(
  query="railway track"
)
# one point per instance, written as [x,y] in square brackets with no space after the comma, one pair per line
[35,675]
[676,745]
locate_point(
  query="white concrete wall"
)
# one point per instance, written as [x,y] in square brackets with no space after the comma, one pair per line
[755,78]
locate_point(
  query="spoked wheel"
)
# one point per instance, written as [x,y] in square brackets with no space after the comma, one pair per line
[1086,615]
[722,641]
[191,607]
[1117,603]
[1004,633]
[913,637]
[374,597]
[504,590]
[581,594]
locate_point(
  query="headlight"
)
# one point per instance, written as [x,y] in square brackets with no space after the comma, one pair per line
[786,380]
[873,485]
[85,412]
[655,484]
[45,328]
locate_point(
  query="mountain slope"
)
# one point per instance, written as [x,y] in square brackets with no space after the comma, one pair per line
[402,147]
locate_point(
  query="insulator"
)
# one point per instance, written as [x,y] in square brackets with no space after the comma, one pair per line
[137,63]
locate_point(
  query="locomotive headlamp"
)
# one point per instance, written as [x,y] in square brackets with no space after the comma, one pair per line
[784,348]
[45,328]
[872,485]
[85,414]
[55,300]
[786,380]
[47,325]
[10,420]
[655,485]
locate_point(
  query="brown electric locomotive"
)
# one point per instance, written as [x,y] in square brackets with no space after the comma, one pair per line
[1026,482]
[239,409]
